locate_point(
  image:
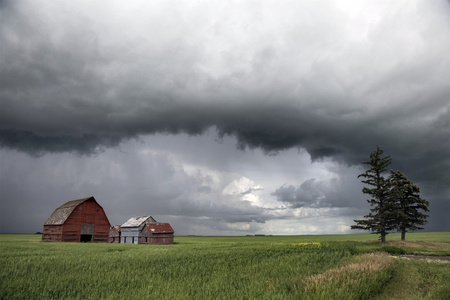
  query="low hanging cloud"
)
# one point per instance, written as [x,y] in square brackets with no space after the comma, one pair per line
[125,184]
[314,193]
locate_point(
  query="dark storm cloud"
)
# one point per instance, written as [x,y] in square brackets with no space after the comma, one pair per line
[64,90]
[38,145]
[316,194]
[334,79]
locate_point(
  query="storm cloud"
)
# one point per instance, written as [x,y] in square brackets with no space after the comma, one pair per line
[329,79]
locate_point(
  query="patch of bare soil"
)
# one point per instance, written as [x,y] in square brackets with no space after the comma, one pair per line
[427,257]
[419,244]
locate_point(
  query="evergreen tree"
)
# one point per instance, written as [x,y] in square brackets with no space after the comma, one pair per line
[380,220]
[406,195]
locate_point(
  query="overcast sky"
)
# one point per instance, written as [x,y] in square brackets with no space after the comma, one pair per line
[221,117]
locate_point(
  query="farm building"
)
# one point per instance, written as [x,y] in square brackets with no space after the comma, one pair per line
[131,229]
[82,220]
[114,234]
[157,233]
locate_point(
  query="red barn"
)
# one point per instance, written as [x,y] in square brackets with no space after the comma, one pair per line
[82,220]
[157,233]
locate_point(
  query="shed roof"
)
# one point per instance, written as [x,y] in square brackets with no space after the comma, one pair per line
[138,221]
[160,227]
[116,228]
[60,215]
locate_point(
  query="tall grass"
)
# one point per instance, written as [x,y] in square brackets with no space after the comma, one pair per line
[193,268]
[418,279]
[359,278]
[37,270]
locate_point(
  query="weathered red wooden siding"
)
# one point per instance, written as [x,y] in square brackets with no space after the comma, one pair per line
[162,238]
[149,236]
[145,235]
[87,213]
[114,234]
[52,233]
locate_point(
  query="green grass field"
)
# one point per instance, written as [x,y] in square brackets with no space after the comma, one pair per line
[262,267]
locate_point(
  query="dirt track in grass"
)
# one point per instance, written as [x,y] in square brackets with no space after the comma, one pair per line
[427,257]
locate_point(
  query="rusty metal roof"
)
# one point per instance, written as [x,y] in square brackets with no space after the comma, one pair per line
[160,227]
[138,221]
[60,215]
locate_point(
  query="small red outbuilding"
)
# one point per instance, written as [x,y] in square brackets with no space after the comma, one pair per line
[157,233]
[82,220]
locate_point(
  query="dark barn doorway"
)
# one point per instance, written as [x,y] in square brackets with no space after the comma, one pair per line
[84,238]
[87,232]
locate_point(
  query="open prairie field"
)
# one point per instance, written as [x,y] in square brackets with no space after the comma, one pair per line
[260,267]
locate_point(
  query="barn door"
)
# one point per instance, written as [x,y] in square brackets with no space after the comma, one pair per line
[87,232]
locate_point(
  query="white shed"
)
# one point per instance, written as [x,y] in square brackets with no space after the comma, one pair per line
[131,229]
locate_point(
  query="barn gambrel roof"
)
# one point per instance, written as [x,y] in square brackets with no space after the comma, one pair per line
[60,215]
[138,221]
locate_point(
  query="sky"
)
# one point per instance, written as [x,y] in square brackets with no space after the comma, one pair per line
[221,117]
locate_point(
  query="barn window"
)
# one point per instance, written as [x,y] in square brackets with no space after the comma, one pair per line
[97,210]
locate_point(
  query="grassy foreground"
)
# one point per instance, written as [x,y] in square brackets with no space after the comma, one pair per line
[271,267]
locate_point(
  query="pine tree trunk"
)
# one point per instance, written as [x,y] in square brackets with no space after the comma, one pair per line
[403,234]
[383,239]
